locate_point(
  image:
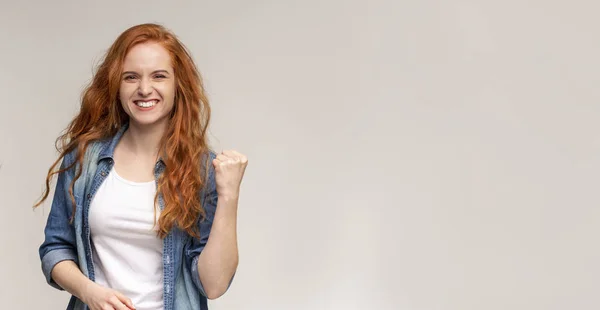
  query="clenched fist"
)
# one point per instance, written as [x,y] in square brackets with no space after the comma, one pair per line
[229,171]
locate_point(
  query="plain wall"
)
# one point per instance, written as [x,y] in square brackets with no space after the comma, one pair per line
[413,155]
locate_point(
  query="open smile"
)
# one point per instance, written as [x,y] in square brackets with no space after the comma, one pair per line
[145,103]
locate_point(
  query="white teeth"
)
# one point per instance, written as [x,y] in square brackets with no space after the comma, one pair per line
[146,104]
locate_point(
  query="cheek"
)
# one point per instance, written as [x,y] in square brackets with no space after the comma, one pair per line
[168,93]
[124,94]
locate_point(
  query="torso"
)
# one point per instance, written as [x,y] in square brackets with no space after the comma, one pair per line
[127,253]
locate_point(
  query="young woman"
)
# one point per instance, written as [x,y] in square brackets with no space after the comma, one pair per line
[139,191]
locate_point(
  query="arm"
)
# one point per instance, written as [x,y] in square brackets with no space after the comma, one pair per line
[219,259]
[59,235]
[218,262]
[213,261]
[58,252]
[68,276]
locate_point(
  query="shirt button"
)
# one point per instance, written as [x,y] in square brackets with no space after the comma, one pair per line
[103,173]
[89,196]
[168,259]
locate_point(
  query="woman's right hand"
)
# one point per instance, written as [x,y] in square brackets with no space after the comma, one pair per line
[98,297]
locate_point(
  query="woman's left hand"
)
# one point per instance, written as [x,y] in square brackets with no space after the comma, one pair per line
[229,171]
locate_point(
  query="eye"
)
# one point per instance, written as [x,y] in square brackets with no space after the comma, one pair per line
[129,77]
[160,76]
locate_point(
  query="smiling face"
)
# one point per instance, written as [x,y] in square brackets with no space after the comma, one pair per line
[147,91]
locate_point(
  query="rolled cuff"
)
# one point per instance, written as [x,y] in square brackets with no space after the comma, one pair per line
[196,277]
[51,259]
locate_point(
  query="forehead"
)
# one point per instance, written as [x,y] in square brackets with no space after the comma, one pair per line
[147,56]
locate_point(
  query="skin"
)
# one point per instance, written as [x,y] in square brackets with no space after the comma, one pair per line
[148,75]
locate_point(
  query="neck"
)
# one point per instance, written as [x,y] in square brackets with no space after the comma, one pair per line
[143,141]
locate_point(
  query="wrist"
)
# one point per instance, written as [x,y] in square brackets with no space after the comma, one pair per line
[85,290]
[229,197]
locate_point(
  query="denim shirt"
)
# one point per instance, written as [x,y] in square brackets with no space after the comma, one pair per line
[182,289]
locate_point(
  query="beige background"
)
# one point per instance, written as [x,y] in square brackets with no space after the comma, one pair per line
[403,154]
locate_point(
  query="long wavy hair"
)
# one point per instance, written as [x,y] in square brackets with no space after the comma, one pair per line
[183,145]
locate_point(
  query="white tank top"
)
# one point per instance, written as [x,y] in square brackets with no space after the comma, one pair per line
[126,251]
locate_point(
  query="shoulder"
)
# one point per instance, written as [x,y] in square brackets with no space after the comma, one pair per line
[92,152]
[70,157]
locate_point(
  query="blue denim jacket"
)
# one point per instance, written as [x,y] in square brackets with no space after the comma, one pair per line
[64,241]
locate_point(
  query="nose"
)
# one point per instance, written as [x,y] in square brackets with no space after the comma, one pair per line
[145,88]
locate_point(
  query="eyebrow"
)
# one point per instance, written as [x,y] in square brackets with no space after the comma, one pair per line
[154,72]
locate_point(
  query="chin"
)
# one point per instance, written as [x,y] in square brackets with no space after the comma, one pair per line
[145,122]
[149,120]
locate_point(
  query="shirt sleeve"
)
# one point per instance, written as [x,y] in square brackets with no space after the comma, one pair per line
[59,235]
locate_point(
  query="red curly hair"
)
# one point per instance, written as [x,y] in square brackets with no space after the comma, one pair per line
[183,145]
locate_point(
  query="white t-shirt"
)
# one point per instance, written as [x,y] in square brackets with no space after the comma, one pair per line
[126,251]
